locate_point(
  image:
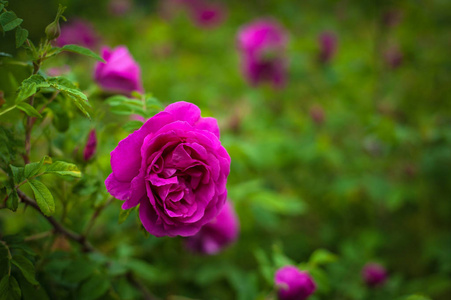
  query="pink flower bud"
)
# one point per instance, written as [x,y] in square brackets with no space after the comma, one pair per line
[217,234]
[262,46]
[120,74]
[393,57]
[328,46]
[91,145]
[374,274]
[79,32]
[293,284]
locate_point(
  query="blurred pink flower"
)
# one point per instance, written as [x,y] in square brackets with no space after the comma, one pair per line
[78,32]
[58,71]
[91,145]
[374,274]
[217,234]
[120,74]
[393,57]
[119,7]
[327,45]
[317,114]
[207,14]
[262,45]
[293,284]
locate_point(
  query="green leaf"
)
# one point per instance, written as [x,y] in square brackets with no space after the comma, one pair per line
[28,109]
[63,168]
[2,6]
[35,168]
[72,92]
[9,21]
[21,36]
[82,51]
[122,105]
[4,54]
[322,257]
[43,197]
[132,125]
[18,174]
[78,270]
[26,267]
[13,200]
[30,86]
[9,288]
[123,215]
[93,288]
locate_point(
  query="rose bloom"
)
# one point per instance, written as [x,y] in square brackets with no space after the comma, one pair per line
[293,284]
[262,46]
[374,274]
[91,145]
[79,32]
[120,74]
[207,14]
[217,234]
[175,168]
[327,45]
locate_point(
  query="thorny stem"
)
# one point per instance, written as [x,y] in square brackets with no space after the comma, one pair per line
[86,246]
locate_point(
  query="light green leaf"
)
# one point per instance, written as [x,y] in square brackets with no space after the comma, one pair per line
[9,21]
[21,36]
[72,92]
[322,257]
[82,51]
[78,270]
[26,267]
[28,109]
[132,125]
[93,288]
[63,168]
[30,86]
[33,169]
[43,197]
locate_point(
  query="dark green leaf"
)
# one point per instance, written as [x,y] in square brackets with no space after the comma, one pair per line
[26,267]
[28,109]
[21,36]
[78,270]
[18,174]
[9,21]
[63,168]
[93,288]
[123,215]
[13,200]
[9,288]
[82,51]
[2,6]
[43,197]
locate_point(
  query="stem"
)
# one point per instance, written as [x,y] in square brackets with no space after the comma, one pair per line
[38,236]
[94,217]
[9,256]
[86,246]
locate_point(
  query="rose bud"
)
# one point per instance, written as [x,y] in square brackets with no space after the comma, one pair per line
[175,168]
[205,14]
[374,274]
[293,284]
[120,74]
[79,32]
[217,234]
[328,46]
[262,47]
[393,57]
[53,30]
[91,145]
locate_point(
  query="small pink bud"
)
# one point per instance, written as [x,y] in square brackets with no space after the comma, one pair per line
[328,46]
[293,284]
[91,145]
[374,274]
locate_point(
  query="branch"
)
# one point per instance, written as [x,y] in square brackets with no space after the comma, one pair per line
[86,246]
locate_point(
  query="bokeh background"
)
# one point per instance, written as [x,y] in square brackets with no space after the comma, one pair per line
[352,155]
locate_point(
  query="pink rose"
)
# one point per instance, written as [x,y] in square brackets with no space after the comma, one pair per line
[293,284]
[91,145]
[374,274]
[217,234]
[328,46]
[120,74]
[262,45]
[175,168]
[78,32]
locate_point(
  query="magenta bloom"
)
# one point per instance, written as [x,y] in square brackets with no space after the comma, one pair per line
[293,284]
[374,274]
[175,168]
[393,57]
[91,145]
[120,74]
[327,45]
[217,234]
[78,32]
[262,45]
[207,14]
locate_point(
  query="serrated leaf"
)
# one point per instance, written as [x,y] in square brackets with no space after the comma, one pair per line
[123,215]
[33,169]
[26,267]
[30,86]
[13,200]
[63,168]
[93,288]
[82,50]
[21,36]
[72,92]
[18,174]
[28,109]
[9,288]
[43,197]
[9,21]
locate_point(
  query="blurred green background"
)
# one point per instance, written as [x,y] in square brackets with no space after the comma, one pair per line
[369,179]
